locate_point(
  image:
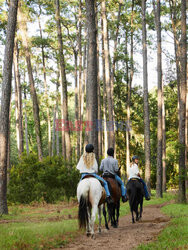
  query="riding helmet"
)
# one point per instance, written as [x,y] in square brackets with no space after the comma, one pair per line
[110,152]
[89,148]
[135,157]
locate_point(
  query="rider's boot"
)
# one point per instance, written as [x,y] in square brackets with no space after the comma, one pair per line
[124,198]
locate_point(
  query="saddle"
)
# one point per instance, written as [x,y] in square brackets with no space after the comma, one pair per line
[110,176]
[92,176]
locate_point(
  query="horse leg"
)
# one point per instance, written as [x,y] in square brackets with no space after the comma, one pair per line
[137,216]
[114,218]
[133,221]
[88,225]
[94,211]
[104,214]
[117,213]
[99,217]
[141,208]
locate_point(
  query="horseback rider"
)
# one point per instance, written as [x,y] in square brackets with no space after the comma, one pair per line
[87,165]
[133,172]
[109,166]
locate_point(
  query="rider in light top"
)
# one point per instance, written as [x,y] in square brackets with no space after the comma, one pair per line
[87,165]
[133,172]
[110,166]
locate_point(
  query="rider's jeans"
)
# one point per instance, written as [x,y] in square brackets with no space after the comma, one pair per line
[145,188]
[123,189]
[100,179]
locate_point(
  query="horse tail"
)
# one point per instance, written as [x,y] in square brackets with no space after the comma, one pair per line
[82,213]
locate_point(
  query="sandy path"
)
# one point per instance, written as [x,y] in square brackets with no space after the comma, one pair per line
[127,235]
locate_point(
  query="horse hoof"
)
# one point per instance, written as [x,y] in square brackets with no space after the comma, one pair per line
[88,234]
[114,226]
[93,236]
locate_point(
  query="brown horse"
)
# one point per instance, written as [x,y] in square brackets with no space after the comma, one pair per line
[113,209]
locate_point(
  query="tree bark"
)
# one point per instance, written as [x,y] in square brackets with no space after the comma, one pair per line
[76,100]
[129,86]
[99,95]
[173,15]
[146,103]
[182,104]
[5,102]
[18,102]
[46,91]
[159,99]
[91,89]
[26,128]
[186,132]
[23,29]
[64,104]
[111,134]
[164,141]
[79,139]
[105,144]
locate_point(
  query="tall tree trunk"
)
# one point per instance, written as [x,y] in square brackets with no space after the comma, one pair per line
[76,100]
[53,132]
[91,90]
[26,128]
[8,150]
[146,103]
[5,102]
[99,127]
[128,105]
[84,84]
[182,105]
[159,99]
[45,90]
[55,141]
[64,104]
[23,29]
[80,75]
[129,85]
[111,137]
[18,101]
[57,115]
[164,141]
[105,147]
[186,132]
[175,21]
[116,42]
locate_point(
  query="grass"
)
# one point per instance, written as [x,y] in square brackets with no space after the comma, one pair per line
[175,235]
[41,235]
[50,226]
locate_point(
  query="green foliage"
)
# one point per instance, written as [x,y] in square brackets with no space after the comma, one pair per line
[49,180]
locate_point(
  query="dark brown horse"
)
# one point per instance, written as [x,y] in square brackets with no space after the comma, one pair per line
[135,192]
[113,208]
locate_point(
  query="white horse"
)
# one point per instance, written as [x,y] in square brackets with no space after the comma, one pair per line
[90,195]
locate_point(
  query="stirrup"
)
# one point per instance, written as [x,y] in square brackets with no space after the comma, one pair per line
[124,199]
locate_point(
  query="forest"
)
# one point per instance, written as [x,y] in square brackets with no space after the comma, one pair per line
[111,73]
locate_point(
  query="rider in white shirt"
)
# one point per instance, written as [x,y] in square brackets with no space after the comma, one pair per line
[87,165]
[133,173]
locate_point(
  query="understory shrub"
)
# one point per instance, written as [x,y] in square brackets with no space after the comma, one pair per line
[48,180]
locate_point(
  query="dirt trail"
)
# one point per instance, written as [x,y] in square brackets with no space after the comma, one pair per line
[127,235]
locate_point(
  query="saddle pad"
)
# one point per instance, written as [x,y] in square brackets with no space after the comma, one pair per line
[92,176]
